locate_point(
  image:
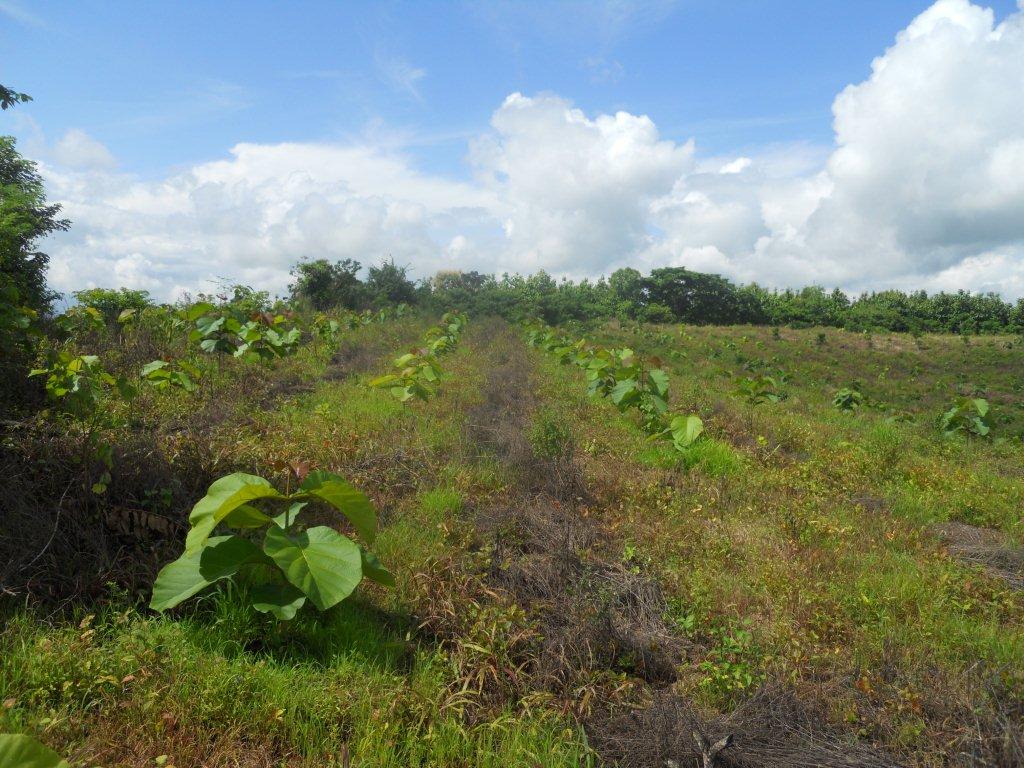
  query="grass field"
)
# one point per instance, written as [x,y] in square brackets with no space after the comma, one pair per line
[829,587]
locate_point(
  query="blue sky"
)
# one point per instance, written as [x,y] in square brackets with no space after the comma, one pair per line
[169,84]
[528,135]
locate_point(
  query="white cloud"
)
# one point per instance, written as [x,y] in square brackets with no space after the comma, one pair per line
[927,169]
[924,188]
[76,149]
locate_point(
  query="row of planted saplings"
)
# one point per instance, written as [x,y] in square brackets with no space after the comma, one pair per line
[418,372]
[80,386]
[628,381]
[284,564]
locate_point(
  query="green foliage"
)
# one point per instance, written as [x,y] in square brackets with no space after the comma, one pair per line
[549,435]
[730,666]
[9,97]
[390,284]
[21,751]
[626,380]
[79,383]
[161,375]
[287,563]
[418,372]
[849,398]
[262,336]
[969,416]
[324,285]
[113,303]
[685,430]
[25,218]
[760,389]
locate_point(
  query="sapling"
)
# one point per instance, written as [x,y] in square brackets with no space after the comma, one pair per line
[284,562]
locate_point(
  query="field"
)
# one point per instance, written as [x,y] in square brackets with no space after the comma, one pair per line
[830,586]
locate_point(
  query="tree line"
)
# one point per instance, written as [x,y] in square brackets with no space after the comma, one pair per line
[666,295]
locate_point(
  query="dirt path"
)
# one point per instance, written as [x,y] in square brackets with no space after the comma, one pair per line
[601,645]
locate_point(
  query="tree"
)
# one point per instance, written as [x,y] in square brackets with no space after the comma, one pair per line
[390,284]
[25,217]
[111,302]
[9,98]
[324,285]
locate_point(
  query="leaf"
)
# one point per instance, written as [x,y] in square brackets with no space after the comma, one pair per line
[344,497]
[287,517]
[149,368]
[18,750]
[195,571]
[685,430]
[223,496]
[247,516]
[321,562]
[282,600]
[659,382]
[374,570]
[624,392]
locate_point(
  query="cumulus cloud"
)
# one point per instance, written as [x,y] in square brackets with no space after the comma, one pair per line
[77,149]
[924,187]
[928,165]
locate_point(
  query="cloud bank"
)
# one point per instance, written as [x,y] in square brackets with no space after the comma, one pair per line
[924,187]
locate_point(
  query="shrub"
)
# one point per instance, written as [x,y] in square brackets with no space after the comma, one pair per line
[113,303]
[970,416]
[848,398]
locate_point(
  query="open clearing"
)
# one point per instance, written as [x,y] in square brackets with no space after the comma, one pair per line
[829,587]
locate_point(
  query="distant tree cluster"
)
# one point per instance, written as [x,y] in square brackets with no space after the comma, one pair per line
[670,294]
[676,294]
[321,285]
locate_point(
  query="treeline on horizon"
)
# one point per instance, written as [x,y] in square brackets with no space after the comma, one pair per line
[666,295]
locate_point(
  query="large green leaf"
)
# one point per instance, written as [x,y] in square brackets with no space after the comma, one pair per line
[659,381]
[374,570]
[20,751]
[344,497]
[685,430]
[247,516]
[223,496]
[321,562]
[282,600]
[624,392]
[195,571]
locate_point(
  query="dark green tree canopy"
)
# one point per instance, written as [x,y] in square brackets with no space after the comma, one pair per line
[324,285]
[25,218]
[390,284]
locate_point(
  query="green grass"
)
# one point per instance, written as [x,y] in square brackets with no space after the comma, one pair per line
[807,527]
[792,542]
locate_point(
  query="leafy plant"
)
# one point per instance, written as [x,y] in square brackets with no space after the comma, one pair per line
[760,389]
[288,563]
[969,416]
[79,383]
[18,750]
[849,398]
[549,435]
[684,430]
[161,375]
[417,373]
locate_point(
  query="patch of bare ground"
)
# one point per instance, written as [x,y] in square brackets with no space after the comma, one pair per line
[990,550]
[585,627]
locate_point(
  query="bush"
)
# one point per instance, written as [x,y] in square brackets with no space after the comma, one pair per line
[112,302]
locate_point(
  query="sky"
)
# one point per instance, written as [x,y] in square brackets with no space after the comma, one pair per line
[865,145]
